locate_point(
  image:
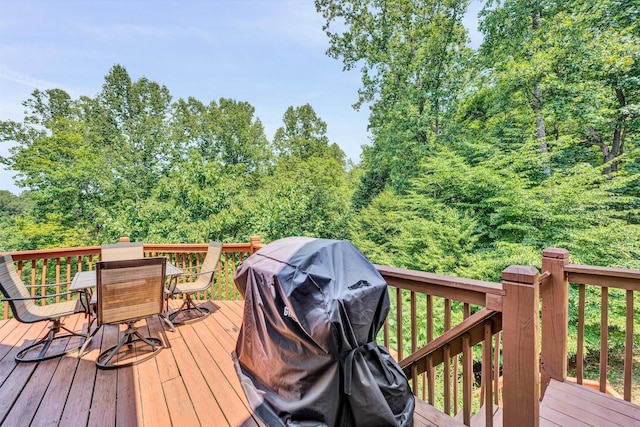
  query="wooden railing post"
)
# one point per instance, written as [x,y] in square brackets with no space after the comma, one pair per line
[256,243]
[554,293]
[520,352]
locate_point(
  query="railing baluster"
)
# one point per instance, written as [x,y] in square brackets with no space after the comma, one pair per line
[580,348]
[33,277]
[447,359]
[466,310]
[628,347]
[399,322]
[604,338]
[58,279]
[43,282]
[486,372]
[429,334]
[467,373]
[414,378]
[226,276]
[220,279]
[233,269]
[431,378]
[414,315]
[447,379]
[496,370]
[455,384]
[68,263]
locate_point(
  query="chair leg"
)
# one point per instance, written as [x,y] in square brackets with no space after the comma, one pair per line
[129,337]
[188,306]
[90,336]
[168,322]
[45,342]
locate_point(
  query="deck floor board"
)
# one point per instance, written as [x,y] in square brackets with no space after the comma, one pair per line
[192,381]
[567,403]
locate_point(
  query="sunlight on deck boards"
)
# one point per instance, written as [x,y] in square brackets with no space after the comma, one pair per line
[191,382]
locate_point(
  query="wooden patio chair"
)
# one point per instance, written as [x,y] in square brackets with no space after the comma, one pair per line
[202,282]
[121,251]
[26,311]
[129,291]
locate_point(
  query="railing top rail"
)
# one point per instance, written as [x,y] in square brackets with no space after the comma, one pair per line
[38,254]
[54,253]
[195,247]
[421,277]
[603,276]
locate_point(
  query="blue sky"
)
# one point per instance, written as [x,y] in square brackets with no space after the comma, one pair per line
[270,53]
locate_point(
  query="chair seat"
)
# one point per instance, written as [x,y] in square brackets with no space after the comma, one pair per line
[45,312]
[190,287]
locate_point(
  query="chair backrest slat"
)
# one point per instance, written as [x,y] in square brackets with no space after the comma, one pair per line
[129,289]
[121,251]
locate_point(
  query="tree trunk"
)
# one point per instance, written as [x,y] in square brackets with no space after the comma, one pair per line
[609,155]
[537,100]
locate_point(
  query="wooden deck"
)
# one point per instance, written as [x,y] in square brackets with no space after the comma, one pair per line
[569,404]
[193,382]
[189,383]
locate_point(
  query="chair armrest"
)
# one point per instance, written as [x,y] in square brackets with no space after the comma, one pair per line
[173,284]
[47,285]
[168,291]
[36,297]
[199,273]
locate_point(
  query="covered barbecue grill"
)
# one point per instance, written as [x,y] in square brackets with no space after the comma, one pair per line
[307,352]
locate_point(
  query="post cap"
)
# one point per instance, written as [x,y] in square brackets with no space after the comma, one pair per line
[555,253]
[520,274]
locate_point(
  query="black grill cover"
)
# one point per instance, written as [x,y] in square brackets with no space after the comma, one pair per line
[306,353]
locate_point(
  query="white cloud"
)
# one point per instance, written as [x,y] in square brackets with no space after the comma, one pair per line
[126,32]
[25,79]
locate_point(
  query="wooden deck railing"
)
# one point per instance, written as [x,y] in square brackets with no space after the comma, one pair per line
[600,287]
[463,343]
[50,271]
[480,327]
[431,315]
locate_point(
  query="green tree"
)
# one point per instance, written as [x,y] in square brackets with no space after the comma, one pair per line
[304,135]
[412,57]
[131,118]
[56,161]
[576,65]
[241,137]
[226,132]
[303,198]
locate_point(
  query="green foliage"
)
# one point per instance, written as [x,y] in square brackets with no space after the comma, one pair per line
[130,162]
[303,198]
[413,59]
[304,135]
